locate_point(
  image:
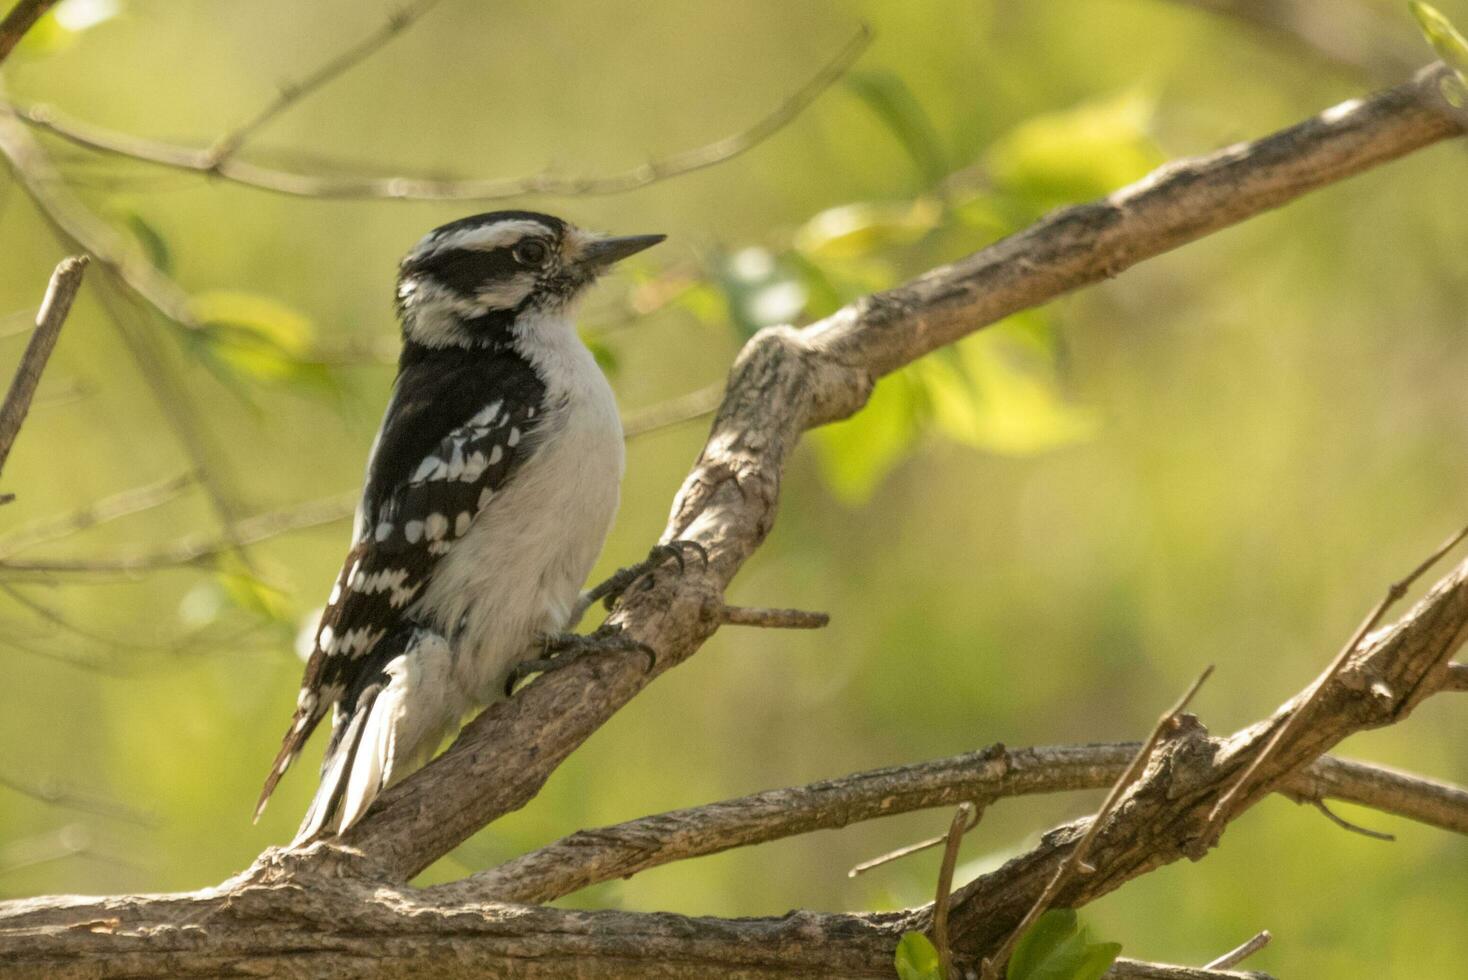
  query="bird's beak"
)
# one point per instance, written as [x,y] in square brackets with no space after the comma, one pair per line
[602,252]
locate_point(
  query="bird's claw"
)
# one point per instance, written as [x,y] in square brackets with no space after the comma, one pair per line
[612,590]
[565,649]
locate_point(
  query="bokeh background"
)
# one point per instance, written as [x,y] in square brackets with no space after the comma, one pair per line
[1221,456]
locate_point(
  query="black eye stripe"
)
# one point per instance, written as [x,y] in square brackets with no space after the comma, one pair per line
[466,270]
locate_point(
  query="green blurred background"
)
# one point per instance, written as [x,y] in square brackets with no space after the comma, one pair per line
[1039,537]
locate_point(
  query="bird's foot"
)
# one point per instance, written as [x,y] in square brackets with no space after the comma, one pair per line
[610,591]
[565,649]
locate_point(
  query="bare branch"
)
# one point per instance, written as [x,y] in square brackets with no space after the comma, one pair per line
[110,508]
[1240,953]
[291,93]
[408,188]
[1075,861]
[620,851]
[54,794]
[1302,712]
[195,550]
[674,411]
[22,18]
[773,619]
[1126,969]
[954,838]
[1354,828]
[1456,678]
[66,280]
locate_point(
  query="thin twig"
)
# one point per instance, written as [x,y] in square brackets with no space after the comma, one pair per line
[49,791]
[1345,824]
[291,93]
[1292,722]
[1076,860]
[1240,953]
[775,619]
[956,829]
[901,852]
[196,550]
[405,188]
[66,280]
[1456,678]
[109,508]
[22,18]
[674,411]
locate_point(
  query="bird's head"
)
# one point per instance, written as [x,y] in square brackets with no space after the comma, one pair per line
[470,282]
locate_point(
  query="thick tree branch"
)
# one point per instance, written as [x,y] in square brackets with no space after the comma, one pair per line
[591,856]
[787,380]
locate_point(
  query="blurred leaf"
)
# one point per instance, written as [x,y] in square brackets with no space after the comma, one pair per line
[59,28]
[997,391]
[917,959]
[761,290]
[252,594]
[1057,947]
[257,339]
[888,96]
[155,247]
[1445,39]
[1077,154]
[855,230]
[856,454]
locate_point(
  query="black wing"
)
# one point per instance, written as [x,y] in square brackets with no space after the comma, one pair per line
[459,424]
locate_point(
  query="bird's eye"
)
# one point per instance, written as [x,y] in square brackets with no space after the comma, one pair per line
[533,252]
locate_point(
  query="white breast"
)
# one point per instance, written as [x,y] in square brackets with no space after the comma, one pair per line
[518,571]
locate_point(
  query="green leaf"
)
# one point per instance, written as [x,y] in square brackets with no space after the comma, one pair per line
[256,338]
[254,595]
[155,247]
[1080,153]
[1057,947]
[1445,40]
[917,959]
[889,98]
[857,454]
[998,391]
[861,229]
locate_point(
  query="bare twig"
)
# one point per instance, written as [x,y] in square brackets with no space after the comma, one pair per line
[53,793]
[66,280]
[1076,860]
[291,93]
[1456,678]
[912,849]
[427,189]
[98,512]
[777,619]
[1304,708]
[22,18]
[196,550]
[674,411]
[1240,953]
[1125,969]
[956,828]
[1345,824]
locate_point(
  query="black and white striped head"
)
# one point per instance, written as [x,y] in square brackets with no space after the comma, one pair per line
[469,282]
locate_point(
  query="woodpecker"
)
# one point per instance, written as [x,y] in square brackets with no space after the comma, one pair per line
[489,491]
